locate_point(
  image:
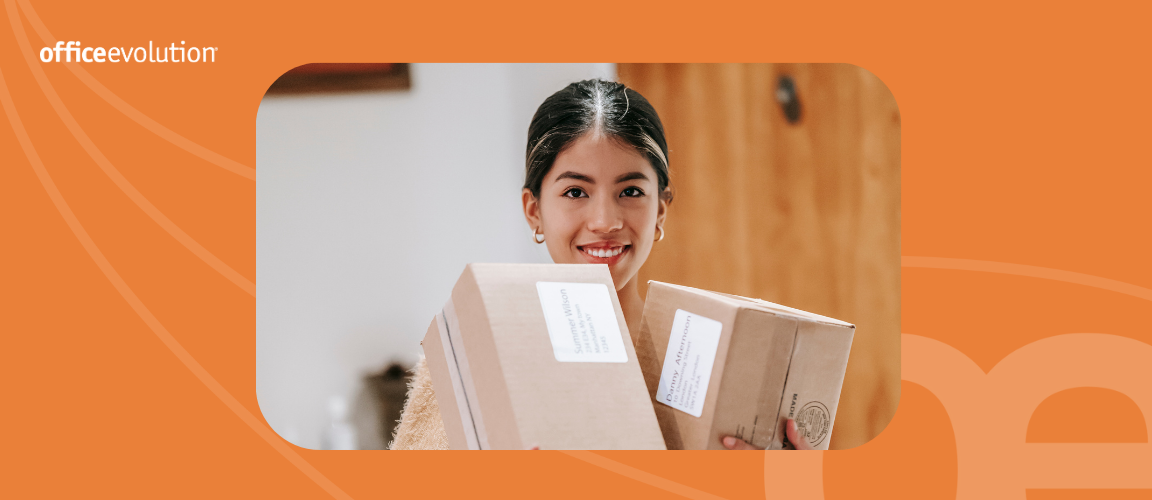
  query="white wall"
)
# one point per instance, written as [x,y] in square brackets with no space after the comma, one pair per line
[368,206]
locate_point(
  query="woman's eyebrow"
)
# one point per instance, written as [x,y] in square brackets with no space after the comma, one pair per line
[574,175]
[631,176]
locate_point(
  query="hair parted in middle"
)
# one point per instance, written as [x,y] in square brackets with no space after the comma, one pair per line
[595,107]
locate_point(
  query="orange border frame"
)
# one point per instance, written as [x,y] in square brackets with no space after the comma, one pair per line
[129,245]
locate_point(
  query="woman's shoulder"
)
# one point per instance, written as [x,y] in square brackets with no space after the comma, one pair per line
[420,425]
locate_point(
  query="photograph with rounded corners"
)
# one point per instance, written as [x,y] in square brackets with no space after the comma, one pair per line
[578,256]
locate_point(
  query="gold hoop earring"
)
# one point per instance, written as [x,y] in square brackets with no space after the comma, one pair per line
[534,236]
[661,238]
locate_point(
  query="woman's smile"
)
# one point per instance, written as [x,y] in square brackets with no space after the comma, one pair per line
[604,252]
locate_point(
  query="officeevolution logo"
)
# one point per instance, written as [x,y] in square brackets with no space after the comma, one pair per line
[63,52]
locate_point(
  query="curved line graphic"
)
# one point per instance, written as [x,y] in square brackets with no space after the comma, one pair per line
[1047,273]
[133,113]
[129,190]
[641,476]
[141,310]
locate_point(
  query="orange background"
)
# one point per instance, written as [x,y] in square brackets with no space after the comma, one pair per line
[129,355]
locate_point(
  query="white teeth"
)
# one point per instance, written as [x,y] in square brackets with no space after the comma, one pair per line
[604,253]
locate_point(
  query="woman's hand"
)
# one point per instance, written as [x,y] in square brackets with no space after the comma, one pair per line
[790,430]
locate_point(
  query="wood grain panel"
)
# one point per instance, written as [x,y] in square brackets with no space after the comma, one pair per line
[804,214]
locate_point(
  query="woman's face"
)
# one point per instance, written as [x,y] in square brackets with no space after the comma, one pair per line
[600,204]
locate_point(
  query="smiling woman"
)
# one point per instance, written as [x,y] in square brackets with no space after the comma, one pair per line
[596,185]
[596,191]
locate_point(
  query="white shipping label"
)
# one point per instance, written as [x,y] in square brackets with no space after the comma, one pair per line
[688,362]
[581,322]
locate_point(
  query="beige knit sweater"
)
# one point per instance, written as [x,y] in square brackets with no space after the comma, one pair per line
[420,425]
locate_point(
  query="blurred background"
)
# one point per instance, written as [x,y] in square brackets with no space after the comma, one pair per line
[377,183]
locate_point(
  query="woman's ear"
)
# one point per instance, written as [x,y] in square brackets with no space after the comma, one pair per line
[662,211]
[531,209]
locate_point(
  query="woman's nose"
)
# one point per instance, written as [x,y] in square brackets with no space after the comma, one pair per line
[605,216]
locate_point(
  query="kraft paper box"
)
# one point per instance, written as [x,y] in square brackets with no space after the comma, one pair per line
[529,355]
[719,364]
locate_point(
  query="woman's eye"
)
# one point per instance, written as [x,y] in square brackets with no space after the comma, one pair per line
[632,192]
[575,193]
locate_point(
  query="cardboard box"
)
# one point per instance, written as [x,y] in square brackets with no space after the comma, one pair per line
[719,364]
[529,355]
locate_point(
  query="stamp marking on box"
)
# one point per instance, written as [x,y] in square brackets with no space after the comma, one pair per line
[814,422]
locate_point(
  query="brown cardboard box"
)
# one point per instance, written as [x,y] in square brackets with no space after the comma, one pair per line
[529,355]
[719,364]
